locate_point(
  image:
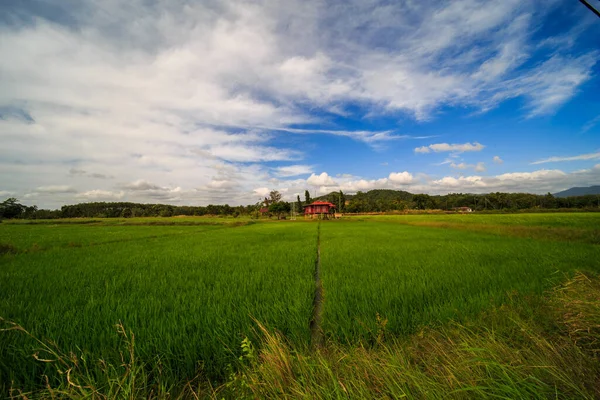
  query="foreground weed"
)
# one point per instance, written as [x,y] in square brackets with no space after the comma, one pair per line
[502,354]
[77,377]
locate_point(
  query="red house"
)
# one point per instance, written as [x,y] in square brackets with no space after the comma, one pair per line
[318,208]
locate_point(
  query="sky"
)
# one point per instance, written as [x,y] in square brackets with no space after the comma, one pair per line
[214,102]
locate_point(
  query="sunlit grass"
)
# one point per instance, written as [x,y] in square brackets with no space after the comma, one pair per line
[190,298]
[415,276]
[425,306]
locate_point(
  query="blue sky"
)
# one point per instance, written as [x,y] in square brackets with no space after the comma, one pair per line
[189,102]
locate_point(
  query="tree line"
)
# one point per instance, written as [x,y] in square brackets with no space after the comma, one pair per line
[273,205]
[394,200]
[11,208]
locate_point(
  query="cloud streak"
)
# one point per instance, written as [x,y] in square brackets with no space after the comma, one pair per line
[588,156]
[445,147]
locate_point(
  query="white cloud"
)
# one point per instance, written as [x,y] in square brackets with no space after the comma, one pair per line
[459,166]
[370,137]
[589,156]
[100,195]
[141,185]
[480,167]
[320,180]
[293,170]
[221,184]
[590,124]
[445,147]
[540,181]
[401,178]
[262,192]
[191,95]
[497,160]
[55,189]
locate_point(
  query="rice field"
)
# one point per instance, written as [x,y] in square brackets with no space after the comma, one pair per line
[193,289]
[414,276]
[190,297]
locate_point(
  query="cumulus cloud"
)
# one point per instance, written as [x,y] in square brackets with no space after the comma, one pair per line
[445,147]
[540,181]
[401,178]
[320,180]
[497,160]
[262,192]
[588,156]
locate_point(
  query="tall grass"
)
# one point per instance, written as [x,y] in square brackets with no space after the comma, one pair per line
[505,353]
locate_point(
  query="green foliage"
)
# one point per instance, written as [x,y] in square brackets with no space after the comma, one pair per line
[382,200]
[307,199]
[11,208]
[279,208]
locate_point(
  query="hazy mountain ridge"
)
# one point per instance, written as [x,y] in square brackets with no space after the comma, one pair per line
[579,191]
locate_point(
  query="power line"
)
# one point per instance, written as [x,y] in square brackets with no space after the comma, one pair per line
[591,8]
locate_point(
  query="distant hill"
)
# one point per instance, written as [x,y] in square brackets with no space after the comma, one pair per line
[579,191]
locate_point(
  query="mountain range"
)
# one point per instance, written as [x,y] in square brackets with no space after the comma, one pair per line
[579,191]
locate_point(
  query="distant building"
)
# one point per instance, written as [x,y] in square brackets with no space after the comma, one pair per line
[264,210]
[319,209]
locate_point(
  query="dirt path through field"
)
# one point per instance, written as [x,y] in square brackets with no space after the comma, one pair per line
[316,333]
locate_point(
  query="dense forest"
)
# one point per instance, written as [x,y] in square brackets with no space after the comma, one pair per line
[361,202]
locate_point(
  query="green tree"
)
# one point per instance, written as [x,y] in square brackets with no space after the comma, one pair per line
[11,208]
[422,201]
[307,197]
[274,196]
[298,205]
[279,208]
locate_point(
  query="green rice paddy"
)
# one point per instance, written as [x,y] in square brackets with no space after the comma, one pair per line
[193,289]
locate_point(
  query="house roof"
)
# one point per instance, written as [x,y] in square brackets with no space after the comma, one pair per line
[320,203]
